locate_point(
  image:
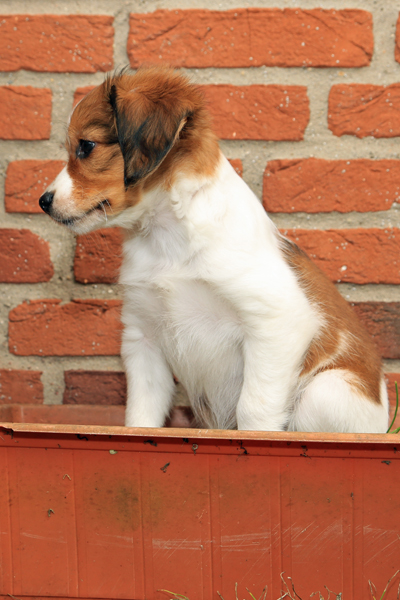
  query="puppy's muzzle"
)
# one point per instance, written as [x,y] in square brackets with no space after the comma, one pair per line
[45,201]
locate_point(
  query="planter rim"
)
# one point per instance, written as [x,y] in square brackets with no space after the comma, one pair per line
[213,434]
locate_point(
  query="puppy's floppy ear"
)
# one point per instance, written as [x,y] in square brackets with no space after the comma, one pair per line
[146,129]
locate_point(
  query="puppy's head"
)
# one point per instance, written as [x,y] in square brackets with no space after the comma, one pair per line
[124,137]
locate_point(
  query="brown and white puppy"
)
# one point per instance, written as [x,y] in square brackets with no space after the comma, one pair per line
[255,332]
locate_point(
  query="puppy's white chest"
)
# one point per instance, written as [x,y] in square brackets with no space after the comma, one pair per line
[194,326]
[197,327]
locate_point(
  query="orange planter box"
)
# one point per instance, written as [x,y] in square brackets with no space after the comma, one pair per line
[109,512]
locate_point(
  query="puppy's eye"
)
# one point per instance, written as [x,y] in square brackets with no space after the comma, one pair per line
[84,149]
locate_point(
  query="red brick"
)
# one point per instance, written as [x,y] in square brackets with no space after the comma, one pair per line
[28,114]
[94,387]
[237,165]
[56,43]
[98,256]
[390,381]
[81,92]
[25,257]
[251,37]
[79,328]
[258,112]
[353,255]
[26,180]
[20,387]
[382,320]
[363,110]
[316,185]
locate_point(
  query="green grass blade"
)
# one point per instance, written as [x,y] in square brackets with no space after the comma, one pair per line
[395,412]
[254,598]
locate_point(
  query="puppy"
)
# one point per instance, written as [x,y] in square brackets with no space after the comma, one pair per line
[258,336]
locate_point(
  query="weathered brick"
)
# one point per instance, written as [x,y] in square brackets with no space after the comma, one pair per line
[79,328]
[98,256]
[316,185]
[26,180]
[258,112]
[251,37]
[364,109]
[353,255]
[57,43]
[382,320]
[94,387]
[25,257]
[20,387]
[28,114]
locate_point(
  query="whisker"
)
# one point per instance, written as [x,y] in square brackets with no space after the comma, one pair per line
[106,200]
[105,212]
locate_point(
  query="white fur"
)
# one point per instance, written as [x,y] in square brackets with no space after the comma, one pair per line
[329,403]
[64,206]
[62,188]
[209,297]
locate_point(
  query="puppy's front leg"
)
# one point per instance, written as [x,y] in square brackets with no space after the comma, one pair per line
[278,327]
[149,379]
[269,372]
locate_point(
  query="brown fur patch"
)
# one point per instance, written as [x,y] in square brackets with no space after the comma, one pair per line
[147,127]
[359,355]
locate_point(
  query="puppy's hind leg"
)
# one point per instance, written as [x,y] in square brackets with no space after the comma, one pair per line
[330,403]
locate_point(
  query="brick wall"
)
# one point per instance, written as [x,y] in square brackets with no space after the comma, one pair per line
[306,100]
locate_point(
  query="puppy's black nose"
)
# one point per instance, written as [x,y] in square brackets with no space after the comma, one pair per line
[45,201]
